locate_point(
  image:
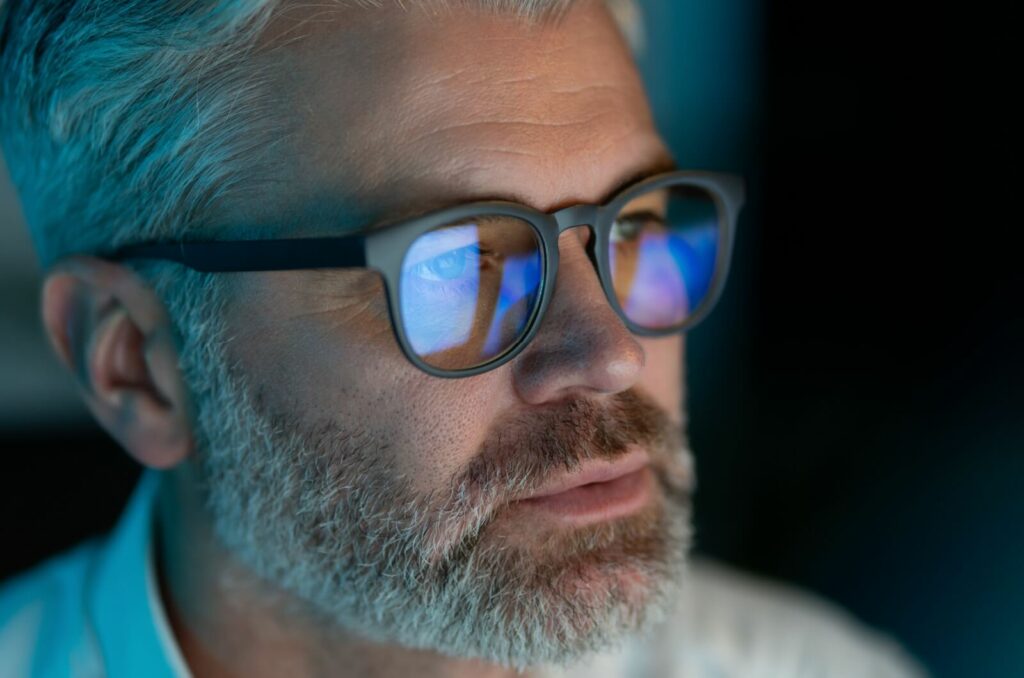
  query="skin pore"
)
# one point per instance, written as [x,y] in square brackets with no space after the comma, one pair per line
[388,111]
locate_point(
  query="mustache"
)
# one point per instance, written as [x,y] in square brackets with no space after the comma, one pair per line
[523,451]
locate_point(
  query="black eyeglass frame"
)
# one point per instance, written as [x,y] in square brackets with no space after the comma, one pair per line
[384,250]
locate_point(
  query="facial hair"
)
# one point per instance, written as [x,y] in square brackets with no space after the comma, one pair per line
[319,511]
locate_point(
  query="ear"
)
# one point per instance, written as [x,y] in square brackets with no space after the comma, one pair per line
[112,331]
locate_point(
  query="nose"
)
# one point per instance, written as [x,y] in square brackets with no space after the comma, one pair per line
[582,346]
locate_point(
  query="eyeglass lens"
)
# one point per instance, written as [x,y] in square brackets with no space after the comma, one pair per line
[662,252]
[469,291]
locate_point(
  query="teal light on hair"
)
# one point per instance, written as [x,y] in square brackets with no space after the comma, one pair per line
[125,120]
[128,120]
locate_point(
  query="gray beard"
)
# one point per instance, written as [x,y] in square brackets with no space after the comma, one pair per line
[320,513]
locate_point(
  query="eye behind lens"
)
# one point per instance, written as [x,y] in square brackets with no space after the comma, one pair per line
[469,291]
[663,251]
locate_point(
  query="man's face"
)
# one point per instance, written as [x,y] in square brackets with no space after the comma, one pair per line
[383,496]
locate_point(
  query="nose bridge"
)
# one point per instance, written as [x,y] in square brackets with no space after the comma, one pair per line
[582,347]
[575,215]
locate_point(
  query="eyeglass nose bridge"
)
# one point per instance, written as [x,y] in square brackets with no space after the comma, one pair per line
[576,215]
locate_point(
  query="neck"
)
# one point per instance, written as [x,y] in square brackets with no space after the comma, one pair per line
[229,623]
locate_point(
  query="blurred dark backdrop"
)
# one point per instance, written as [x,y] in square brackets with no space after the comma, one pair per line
[855,399]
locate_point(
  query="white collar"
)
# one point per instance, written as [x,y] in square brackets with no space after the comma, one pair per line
[161,625]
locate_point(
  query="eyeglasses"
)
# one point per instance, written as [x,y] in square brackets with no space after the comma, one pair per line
[467,286]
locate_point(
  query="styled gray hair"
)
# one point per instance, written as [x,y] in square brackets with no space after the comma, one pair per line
[128,120]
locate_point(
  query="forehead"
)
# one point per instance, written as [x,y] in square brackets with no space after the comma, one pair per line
[390,107]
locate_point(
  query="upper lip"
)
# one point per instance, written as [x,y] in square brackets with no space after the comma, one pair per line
[594,471]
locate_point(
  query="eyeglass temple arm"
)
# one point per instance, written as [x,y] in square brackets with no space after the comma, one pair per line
[255,255]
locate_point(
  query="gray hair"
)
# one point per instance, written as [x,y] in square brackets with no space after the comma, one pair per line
[129,120]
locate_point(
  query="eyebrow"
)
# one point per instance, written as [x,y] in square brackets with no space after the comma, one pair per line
[662,164]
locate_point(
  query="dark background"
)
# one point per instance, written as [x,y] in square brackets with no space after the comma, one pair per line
[855,399]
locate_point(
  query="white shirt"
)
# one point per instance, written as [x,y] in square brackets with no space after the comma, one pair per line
[96,611]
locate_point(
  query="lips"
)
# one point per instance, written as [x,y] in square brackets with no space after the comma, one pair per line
[595,472]
[601,490]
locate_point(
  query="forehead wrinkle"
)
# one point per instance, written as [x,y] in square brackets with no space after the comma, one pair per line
[580,106]
[490,47]
[547,182]
[521,127]
[516,75]
[431,74]
[438,80]
[484,158]
[578,126]
[539,94]
[395,104]
[582,101]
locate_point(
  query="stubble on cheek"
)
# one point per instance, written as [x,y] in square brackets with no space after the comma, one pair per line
[484,523]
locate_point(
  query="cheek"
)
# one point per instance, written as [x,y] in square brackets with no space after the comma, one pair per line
[336,361]
[662,377]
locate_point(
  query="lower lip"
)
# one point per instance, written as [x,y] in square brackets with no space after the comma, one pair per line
[597,502]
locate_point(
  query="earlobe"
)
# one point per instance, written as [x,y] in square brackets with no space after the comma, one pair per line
[111,331]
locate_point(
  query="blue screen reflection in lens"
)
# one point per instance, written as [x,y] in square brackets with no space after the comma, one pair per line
[520,284]
[440,286]
[468,292]
[663,255]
